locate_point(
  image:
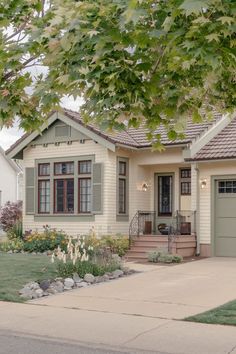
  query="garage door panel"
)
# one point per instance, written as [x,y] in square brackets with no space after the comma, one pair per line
[226,207]
[225,247]
[225,227]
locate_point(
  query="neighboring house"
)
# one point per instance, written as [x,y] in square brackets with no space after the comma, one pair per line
[78,177]
[10,179]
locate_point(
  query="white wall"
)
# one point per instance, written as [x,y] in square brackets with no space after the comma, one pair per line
[8,181]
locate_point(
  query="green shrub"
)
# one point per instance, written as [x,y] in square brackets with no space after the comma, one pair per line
[164,257]
[15,231]
[49,240]
[15,245]
[81,268]
[117,244]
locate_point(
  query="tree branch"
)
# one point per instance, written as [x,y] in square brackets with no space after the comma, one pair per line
[23,65]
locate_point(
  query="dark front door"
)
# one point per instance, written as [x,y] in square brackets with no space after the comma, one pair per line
[165,195]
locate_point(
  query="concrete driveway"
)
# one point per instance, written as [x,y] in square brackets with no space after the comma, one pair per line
[170,292]
[141,312]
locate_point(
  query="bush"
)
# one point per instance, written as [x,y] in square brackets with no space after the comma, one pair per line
[163,257]
[48,240]
[117,244]
[12,245]
[11,219]
[81,268]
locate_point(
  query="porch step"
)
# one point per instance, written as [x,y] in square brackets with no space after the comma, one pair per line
[183,244]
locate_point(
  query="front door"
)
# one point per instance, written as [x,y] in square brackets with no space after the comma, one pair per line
[164,201]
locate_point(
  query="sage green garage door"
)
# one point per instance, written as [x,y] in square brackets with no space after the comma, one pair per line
[225,218]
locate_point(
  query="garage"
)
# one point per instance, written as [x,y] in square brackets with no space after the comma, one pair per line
[225,217]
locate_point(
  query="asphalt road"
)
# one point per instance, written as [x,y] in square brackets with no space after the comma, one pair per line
[11,343]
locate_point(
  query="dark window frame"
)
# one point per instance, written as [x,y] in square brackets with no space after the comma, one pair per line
[185,178]
[43,164]
[125,168]
[64,174]
[39,203]
[64,196]
[122,176]
[124,208]
[84,173]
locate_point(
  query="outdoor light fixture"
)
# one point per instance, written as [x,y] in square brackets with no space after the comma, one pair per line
[144,187]
[203,183]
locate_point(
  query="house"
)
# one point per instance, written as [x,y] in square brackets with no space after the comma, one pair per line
[78,177]
[10,179]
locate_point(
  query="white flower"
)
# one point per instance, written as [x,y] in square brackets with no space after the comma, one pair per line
[53,258]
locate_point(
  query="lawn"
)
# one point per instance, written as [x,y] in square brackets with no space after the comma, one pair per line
[18,269]
[224,315]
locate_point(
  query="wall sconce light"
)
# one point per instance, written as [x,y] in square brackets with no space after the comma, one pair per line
[144,187]
[203,183]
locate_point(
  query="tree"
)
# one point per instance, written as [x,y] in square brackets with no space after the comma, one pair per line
[142,61]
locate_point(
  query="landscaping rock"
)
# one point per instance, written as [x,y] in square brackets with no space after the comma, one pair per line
[89,278]
[57,286]
[26,293]
[77,278]
[118,273]
[82,284]
[44,284]
[68,283]
[39,292]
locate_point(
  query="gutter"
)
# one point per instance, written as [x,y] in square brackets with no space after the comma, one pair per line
[197,211]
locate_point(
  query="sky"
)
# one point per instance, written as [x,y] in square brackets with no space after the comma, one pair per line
[9,136]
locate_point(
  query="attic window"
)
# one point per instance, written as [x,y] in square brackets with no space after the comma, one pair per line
[62,131]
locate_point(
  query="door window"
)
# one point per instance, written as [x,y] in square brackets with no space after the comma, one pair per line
[165,195]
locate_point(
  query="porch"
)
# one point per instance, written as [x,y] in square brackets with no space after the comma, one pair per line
[147,234]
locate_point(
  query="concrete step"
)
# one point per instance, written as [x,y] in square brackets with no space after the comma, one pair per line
[150,244]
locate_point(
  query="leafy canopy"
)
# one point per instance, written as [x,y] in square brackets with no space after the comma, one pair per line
[142,61]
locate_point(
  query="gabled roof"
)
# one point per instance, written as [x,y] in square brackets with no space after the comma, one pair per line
[222,146]
[138,137]
[12,163]
[131,138]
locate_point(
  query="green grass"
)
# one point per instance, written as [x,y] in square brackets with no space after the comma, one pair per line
[18,269]
[223,315]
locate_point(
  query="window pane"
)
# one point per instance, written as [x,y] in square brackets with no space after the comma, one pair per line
[122,168]
[186,173]
[122,196]
[59,196]
[165,194]
[64,168]
[70,196]
[228,186]
[44,169]
[186,188]
[84,195]
[85,167]
[44,196]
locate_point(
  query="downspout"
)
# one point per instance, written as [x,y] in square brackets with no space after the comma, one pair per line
[197,211]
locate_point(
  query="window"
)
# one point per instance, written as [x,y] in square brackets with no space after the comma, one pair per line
[44,196]
[122,168]
[44,169]
[64,196]
[185,181]
[85,187]
[85,167]
[122,187]
[228,186]
[122,196]
[64,168]
[164,195]
[85,195]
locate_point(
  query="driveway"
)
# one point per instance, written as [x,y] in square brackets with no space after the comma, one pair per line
[170,292]
[142,311]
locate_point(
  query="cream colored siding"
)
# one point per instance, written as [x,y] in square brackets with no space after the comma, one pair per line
[64,150]
[207,170]
[8,182]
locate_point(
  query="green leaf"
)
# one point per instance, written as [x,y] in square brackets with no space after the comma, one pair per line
[194,6]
